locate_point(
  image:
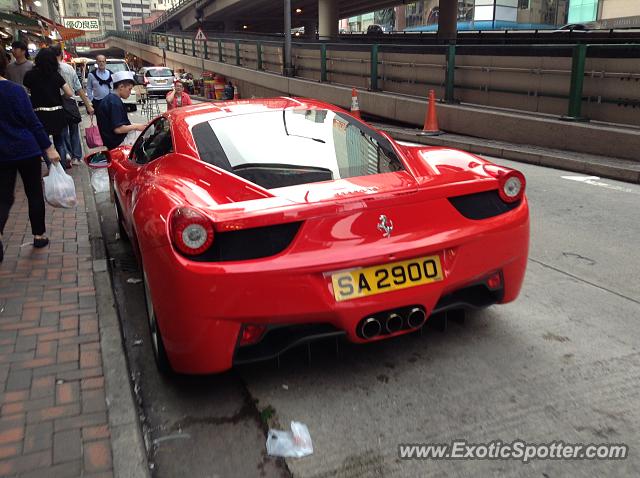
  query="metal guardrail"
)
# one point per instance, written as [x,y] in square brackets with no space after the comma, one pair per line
[263,60]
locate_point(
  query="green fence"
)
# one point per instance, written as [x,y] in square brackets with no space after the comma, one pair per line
[324,61]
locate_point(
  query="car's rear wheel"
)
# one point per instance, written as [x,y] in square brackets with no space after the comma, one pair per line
[159,352]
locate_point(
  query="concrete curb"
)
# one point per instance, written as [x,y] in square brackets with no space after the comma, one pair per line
[613,168]
[129,453]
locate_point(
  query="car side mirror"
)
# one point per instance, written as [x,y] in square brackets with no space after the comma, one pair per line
[98,160]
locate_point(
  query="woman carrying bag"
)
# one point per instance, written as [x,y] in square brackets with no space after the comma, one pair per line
[44,82]
[22,140]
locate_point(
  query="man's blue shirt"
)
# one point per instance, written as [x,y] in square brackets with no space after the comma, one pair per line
[110,114]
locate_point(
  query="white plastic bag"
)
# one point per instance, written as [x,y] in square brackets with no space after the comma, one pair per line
[130,138]
[100,181]
[296,443]
[59,188]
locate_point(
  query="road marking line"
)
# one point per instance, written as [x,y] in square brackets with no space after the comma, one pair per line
[595,181]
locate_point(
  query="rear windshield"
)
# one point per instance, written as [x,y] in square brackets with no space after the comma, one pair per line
[160,72]
[287,147]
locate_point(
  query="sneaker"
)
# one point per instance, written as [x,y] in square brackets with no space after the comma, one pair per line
[76,162]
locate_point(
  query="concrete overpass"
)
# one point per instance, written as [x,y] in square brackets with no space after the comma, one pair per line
[267,15]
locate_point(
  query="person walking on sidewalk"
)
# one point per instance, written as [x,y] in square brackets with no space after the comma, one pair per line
[113,121]
[99,82]
[19,67]
[44,82]
[22,140]
[71,134]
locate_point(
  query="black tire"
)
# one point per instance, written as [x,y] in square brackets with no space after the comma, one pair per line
[157,345]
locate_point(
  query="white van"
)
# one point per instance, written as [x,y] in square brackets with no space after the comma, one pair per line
[113,65]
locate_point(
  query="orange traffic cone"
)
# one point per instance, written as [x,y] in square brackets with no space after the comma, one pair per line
[430,127]
[355,107]
[236,95]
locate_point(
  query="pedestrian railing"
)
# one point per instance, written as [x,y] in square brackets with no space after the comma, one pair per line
[598,81]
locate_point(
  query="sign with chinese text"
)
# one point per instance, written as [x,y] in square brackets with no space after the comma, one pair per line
[81,23]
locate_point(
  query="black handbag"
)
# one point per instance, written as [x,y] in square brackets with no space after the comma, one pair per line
[71,110]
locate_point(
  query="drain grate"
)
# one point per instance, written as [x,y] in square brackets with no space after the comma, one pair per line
[127,264]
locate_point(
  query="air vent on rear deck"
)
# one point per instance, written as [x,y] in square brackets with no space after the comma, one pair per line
[251,243]
[482,205]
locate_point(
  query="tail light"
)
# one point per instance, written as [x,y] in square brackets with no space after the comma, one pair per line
[191,231]
[251,334]
[511,183]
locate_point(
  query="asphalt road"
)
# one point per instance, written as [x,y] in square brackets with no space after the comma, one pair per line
[560,363]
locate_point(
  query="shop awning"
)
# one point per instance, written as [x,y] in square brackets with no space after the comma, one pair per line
[19,19]
[69,33]
[65,33]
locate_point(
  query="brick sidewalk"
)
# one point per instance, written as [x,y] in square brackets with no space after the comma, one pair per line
[53,416]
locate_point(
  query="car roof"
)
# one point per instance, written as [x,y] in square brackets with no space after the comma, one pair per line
[109,60]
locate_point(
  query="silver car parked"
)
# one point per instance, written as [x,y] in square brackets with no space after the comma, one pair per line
[156,79]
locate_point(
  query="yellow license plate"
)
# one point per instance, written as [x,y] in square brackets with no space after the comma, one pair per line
[386,277]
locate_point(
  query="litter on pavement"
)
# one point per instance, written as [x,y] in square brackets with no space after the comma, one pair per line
[296,443]
[100,181]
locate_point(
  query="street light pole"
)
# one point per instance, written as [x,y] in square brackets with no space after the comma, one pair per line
[288,70]
[141,16]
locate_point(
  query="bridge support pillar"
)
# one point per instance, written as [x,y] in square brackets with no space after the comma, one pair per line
[448,20]
[327,19]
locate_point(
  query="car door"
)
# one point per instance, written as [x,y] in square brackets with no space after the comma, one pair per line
[154,142]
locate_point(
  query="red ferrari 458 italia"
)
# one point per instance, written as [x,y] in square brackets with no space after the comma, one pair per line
[267,223]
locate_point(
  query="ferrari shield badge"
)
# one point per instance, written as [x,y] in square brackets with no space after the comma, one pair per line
[385,226]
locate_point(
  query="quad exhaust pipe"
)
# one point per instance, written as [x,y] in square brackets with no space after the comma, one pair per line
[370,327]
[393,323]
[416,318]
[390,322]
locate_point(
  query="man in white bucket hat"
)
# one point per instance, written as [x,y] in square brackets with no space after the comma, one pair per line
[111,113]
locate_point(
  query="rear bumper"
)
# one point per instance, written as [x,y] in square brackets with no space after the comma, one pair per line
[159,89]
[201,306]
[277,339]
